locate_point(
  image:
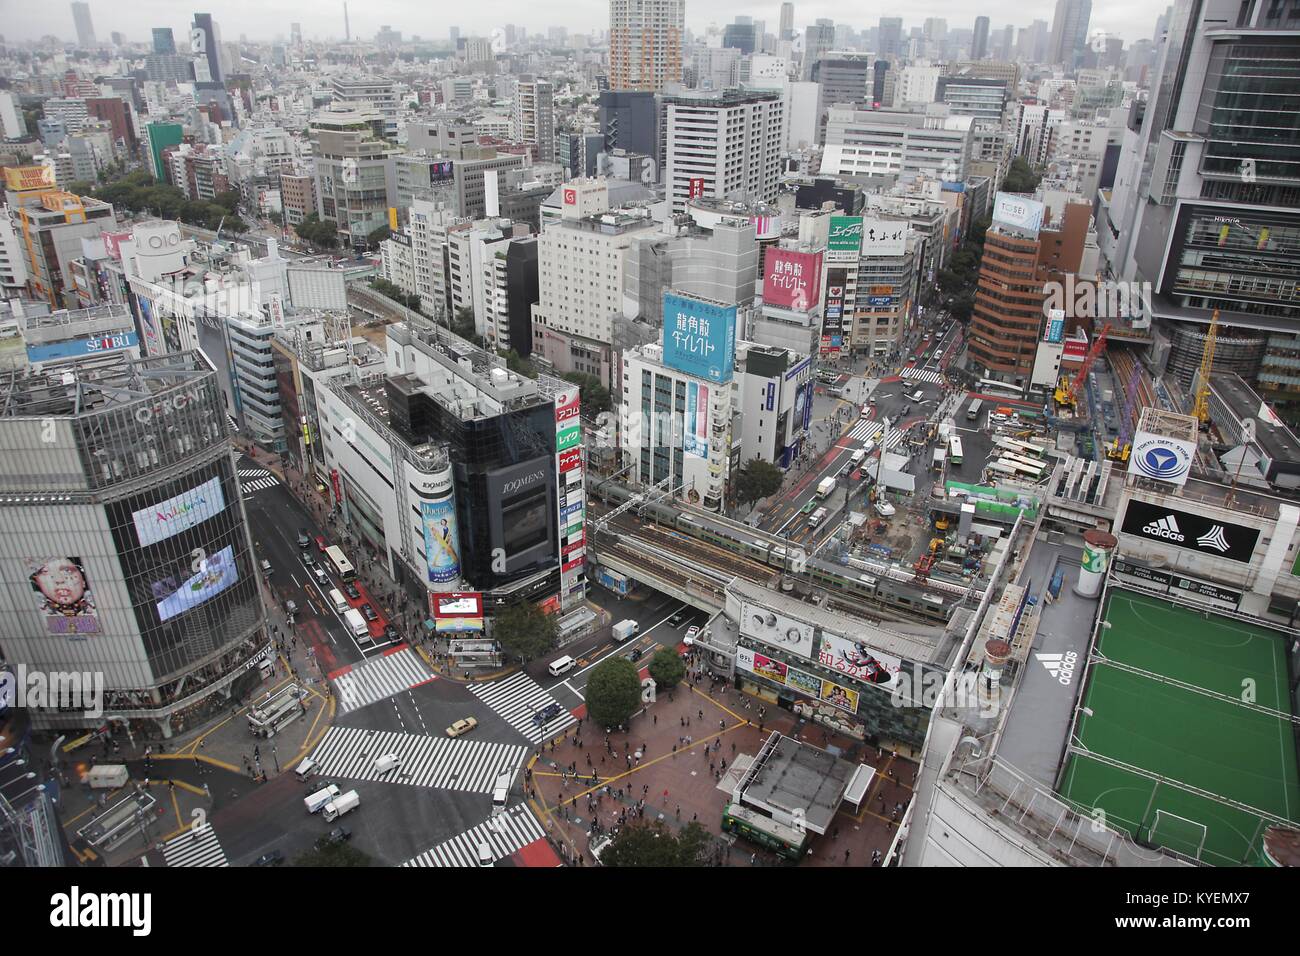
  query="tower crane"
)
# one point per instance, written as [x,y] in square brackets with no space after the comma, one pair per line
[1067,393]
[1202,407]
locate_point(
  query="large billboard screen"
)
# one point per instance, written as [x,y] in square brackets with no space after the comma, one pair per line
[854,659]
[845,238]
[1190,532]
[457,612]
[763,666]
[1161,457]
[441,540]
[63,596]
[216,573]
[775,629]
[699,337]
[837,695]
[695,437]
[883,237]
[793,279]
[184,511]
[1024,215]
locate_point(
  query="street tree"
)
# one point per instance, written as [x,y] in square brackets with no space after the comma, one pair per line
[525,631]
[613,692]
[594,396]
[757,480]
[334,854]
[655,845]
[667,669]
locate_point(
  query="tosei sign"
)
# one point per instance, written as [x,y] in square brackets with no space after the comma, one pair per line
[1190,532]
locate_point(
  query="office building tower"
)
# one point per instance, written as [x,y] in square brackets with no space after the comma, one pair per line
[1204,194]
[645,43]
[890,37]
[979,47]
[85,29]
[163,40]
[629,121]
[818,39]
[723,145]
[533,120]
[1069,37]
[787,22]
[205,45]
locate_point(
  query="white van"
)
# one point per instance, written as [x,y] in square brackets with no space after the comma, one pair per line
[918,395]
[484,854]
[501,793]
[561,665]
[858,456]
[305,769]
[386,763]
[339,601]
[321,797]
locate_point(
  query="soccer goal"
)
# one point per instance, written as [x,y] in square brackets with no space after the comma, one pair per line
[1178,834]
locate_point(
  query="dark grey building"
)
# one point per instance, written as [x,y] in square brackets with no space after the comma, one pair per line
[979,47]
[163,40]
[630,120]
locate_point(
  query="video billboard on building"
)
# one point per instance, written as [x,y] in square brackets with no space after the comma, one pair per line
[695,437]
[793,279]
[63,595]
[215,573]
[767,626]
[699,337]
[854,659]
[457,612]
[441,540]
[179,513]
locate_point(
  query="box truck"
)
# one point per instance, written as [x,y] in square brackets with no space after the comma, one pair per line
[341,805]
[321,797]
[625,629]
[356,623]
[825,487]
[108,776]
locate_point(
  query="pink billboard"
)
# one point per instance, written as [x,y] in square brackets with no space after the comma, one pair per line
[793,279]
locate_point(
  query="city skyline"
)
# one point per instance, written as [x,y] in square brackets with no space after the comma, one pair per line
[265,22]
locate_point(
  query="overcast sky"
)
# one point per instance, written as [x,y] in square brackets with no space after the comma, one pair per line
[265,19]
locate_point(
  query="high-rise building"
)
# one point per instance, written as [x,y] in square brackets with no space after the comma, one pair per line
[163,40]
[645,43]
[356,178]
[743,35]
[85,28]
[533,120]
[205,45]
[818,39]
[723,145]
[1204,193]
[890,37]
[1069,36]
[295,34]
[13,125]
[357,91]
[787,21]
[979,47]
[629,121]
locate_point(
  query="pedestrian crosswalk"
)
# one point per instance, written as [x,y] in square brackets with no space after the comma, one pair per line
[506,833]
[256,479]
[932,375]
[195,847]
[440,762]
[869,430]
[516,699]
[378,679]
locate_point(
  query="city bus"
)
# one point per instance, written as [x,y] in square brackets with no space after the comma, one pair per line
[954,450]
[1001,468]
[994,387]
[782,840]
[1010,446]
[342,567]
[973,413]
[1023,468]
[276,711]
[1023,460]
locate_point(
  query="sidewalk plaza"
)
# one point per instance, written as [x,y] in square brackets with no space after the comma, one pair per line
[663,768]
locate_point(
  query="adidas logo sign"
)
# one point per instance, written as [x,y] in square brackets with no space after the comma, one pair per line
[1167,528]
[1214,538]
[1060,666]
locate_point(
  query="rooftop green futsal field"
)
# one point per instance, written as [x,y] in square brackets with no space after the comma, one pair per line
[1185,735]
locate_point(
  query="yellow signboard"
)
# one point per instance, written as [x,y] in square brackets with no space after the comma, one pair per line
[20,178]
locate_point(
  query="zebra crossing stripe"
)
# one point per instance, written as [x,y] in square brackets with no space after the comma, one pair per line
[516,699]
[441,763]
[253,472]
[505,833]
[198,847]
[260,484]
[378,679]
[934,376]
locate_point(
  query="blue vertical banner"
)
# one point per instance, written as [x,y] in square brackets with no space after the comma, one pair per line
[441,540]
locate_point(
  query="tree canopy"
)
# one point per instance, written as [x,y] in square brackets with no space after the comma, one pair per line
[593,395]
[757,480]
[653,844]
[322,233]
[666,668]
[613,691]
[525,631]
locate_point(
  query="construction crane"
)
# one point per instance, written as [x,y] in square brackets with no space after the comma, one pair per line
[1119,449]
[1202,407]
[1067,392]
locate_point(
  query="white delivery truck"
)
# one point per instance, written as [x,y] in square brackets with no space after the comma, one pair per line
[386,763]
[321,797]
[357,624]
[625,629]
[501,792]
[108,776]
[341,805]
[825,487]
